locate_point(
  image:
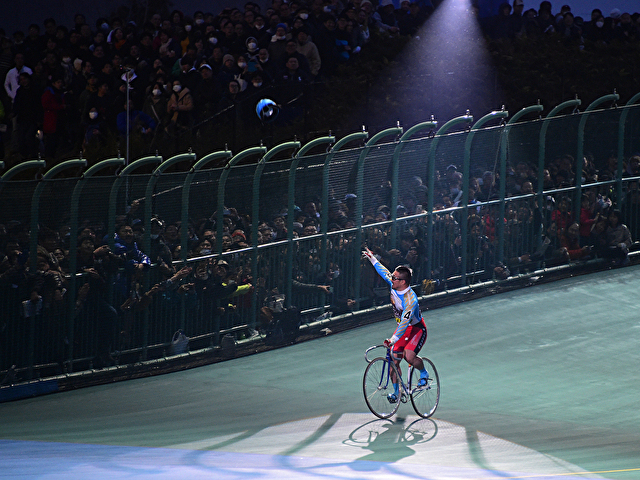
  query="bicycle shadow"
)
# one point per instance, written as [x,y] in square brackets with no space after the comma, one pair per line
[389,441]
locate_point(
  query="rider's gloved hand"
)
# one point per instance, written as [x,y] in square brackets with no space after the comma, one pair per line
[366,253]
[387,343]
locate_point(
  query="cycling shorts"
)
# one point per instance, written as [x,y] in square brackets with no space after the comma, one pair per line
[413,339]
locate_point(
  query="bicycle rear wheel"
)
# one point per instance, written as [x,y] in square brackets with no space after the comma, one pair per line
[376,385]
[425,399]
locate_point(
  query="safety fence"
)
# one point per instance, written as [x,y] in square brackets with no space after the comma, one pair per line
[396,192]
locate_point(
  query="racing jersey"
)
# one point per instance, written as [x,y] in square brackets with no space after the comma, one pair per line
[405,304]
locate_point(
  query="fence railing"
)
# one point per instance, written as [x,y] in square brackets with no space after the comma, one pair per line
[66,310]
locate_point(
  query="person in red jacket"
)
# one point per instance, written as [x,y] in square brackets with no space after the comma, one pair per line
[53,104]
[587,219]
[570,240]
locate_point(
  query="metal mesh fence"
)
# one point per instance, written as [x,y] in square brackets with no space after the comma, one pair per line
[50,324]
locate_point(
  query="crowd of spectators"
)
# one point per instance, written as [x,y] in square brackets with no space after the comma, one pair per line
[67,87]
[178,72]
[513,21]
[123,280]
[72,86]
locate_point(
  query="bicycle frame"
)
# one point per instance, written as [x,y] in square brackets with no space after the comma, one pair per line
[376,386]
[406,392]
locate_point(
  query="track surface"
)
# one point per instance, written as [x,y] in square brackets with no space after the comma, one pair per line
[541,383]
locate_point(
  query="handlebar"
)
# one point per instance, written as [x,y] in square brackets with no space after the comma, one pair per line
[366,352]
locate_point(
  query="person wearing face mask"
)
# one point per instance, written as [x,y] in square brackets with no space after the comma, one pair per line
[252,49]
[198,21]
[255,85]
[186,36]
[187,73]
[266,64]
[180,107]
[594,31]
[95,130]
[155,104]
[278,44]
[86,95]
[258,31]
[210,289]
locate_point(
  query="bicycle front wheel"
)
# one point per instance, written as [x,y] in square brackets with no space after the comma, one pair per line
[377,385]
[425,399]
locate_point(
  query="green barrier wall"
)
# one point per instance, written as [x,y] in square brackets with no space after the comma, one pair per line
[125,323]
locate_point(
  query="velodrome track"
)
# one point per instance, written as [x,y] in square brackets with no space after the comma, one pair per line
[540,383]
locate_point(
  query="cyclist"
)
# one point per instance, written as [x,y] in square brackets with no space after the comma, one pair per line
[411,332]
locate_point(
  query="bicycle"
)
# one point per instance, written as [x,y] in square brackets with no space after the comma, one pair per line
[377,384]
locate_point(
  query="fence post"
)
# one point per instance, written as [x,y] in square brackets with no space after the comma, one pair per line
[33,240]
[113,195]
[431,176]
[324,215]
[465,182]
[291,206]
[255,214]
[613,97]
[221,190]
[35,206]
[148,204]
[148,210]
[396,167]
[621,128]
[503,171]
[393,131]
[73,244]
[575,103]
[186,188]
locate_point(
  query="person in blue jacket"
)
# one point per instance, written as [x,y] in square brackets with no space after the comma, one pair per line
[138,121]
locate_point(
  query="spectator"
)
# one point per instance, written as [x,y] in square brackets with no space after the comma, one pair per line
[325,40]
[618,239]
[570,240]
[277,45]
[27,108]
[501,26]
[95,130]
[53,104]
[409,23]
[12,80]
[138,122]
[517,19]
[593,30]
[562,216]
[587,219]
[180,107]
[267,65]
[291,51]
[569,30]
[89,92]
[92,307]
[155,105]
[384,18]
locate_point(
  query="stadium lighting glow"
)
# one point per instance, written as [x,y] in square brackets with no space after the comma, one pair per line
[448,66]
